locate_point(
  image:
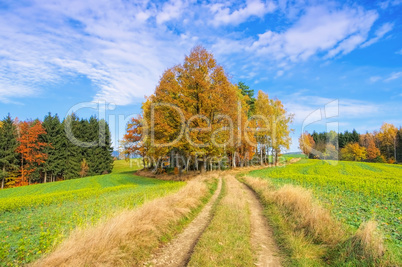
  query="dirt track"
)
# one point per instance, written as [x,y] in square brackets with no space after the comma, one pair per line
[261,237]
[178,251]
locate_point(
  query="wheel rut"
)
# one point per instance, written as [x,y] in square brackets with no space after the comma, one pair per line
[178,251]
[261,234]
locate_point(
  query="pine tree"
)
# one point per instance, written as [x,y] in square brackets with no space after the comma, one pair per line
[72,150]
[105,144]
[55,136]
[246,91]
[8,156]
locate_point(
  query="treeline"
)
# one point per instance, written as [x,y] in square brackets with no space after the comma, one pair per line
[382,146]
[197,118]
[38,152]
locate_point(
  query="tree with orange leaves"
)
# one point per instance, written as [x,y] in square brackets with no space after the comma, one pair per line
[306,143]
[133,139]
[368,141]
[30,149]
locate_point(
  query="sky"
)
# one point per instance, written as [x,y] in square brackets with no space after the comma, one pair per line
[336,65]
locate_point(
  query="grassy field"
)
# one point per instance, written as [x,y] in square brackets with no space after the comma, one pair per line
[354,192]
[33,219]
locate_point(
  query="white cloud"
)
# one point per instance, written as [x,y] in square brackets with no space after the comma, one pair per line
[123,48]
[399,52]
[279,73]
[388,3]
[223,14]
[114,44]
[374,79]
[320,30]
[384,29]
[171,10]
[394,76]
[303,105]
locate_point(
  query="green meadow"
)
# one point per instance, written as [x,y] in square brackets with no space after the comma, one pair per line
[33,219]
[354,192]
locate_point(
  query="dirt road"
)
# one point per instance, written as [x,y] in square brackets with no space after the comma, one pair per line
[178,251]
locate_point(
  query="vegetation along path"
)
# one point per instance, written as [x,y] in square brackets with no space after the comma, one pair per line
[178,251]
[239,213]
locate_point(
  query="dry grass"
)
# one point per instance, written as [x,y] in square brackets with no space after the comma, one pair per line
[368,241]
[308,214]
[298,204]
[130,237]
[301,214]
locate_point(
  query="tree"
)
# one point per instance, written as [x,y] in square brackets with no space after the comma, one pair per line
[246,91]
[197,92]
[84,168]
[8,154]
[399,145]
[306,144]
[353,152]
[196,113]
[368,141]
[273,126]
[54,137]
[133,139]
[72,153]
[387,137]
[30,149]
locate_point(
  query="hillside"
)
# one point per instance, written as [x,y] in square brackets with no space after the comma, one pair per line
[355,192]
[35,218]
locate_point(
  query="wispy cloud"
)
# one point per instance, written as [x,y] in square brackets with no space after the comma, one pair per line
[394,76]
[116,45]
[384,29]
[374,79]
[302,105]
[389,3]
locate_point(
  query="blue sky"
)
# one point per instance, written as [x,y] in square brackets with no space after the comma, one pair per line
[57,54]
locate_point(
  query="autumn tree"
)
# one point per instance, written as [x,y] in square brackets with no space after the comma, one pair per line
[368,141]
[353,152]
[197,114]
[191,102]
[306,143]
[84,168]
[30,149]
[133,143]
[388,137]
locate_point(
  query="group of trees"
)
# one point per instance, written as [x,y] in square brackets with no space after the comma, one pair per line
[384,145]
[40,152]
[197,117]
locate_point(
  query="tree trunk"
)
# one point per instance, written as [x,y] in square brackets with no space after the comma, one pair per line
[188,163]
[276,157]
[261,159]
[44,179]
[234,160]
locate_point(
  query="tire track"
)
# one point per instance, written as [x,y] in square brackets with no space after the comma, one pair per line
[178,251]
[261,236]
